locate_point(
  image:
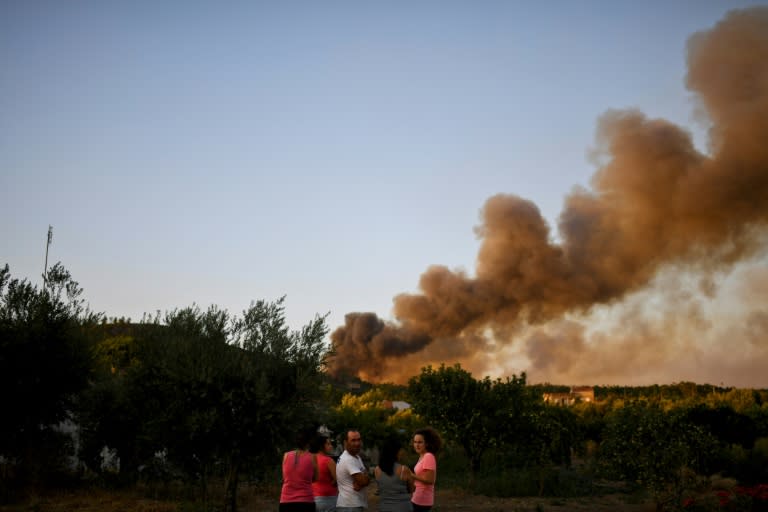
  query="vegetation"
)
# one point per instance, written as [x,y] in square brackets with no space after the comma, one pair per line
[190,403]
[197,395]
[44,364]
[476,414]
[644,444]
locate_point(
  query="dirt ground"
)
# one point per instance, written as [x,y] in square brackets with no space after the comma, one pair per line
[259,500]
[450,500]
[455,500]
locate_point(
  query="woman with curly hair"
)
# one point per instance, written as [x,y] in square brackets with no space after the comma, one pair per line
[426,444]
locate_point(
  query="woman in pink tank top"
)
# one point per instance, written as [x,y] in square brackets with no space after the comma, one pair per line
[426,443]
[298,471]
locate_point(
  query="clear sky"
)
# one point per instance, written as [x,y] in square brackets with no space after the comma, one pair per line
[224,152]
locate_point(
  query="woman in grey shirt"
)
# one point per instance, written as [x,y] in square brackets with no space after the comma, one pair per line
[393,479]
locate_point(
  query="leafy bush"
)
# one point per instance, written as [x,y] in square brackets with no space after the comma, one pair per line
[658,450]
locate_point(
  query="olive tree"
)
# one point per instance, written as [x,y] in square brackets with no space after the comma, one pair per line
[44,362]
[212,392]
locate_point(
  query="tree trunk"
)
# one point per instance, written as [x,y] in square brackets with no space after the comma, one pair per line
[231,483]
[474,468]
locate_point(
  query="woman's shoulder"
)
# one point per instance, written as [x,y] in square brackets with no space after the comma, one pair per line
[322,457]
[297,457]
[429,460]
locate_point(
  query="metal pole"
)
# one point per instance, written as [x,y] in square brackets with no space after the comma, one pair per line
[47,245]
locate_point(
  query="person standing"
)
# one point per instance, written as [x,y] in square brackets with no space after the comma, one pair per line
[324,485]
[298,471]
[393,479]
[426,444]
[352,476]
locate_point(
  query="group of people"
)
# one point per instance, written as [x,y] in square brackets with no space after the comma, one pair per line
[314,482]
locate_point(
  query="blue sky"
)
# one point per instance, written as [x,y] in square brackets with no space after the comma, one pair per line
[219,153]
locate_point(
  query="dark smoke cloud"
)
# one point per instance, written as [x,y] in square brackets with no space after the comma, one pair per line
[654,201]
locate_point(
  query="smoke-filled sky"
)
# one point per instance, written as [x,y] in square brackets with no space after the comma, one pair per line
[577,190]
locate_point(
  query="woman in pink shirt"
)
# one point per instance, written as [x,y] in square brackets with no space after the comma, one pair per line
[298,471]
[426,443]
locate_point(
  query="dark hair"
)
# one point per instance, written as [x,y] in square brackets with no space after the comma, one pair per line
[317,444]
[388,455]
[432,440]
[304,436]
[346,433]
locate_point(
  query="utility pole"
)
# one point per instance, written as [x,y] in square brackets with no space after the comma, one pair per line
[47,245]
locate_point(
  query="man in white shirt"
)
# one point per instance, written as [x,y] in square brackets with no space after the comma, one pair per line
[351,475]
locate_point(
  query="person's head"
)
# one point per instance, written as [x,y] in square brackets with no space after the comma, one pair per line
[304,437]
[390,453]
[321,444]
[353,442]
[426,440]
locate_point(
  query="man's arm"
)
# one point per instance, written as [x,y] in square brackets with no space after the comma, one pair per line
[360,480]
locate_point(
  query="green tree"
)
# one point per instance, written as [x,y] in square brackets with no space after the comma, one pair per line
[476,414]
[656,449]
[369,414]
[211,391]
[44,362]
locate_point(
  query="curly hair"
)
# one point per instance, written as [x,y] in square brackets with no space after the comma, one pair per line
[432,440]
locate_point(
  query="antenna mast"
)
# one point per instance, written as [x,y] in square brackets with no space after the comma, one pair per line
[47,245]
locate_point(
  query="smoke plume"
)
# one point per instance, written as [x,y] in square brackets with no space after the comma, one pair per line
[654,202]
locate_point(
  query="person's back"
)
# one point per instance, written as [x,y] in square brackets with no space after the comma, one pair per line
[297,478]
[393,491]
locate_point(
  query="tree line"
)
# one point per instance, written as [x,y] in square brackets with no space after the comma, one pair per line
[204,396]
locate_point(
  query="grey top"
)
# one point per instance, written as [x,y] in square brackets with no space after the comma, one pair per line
[393,492]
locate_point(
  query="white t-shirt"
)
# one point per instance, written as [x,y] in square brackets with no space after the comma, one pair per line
[348,497]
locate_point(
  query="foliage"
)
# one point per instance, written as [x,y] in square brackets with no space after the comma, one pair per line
[736,498]
[555,433]
[44,362]
[656,449]
[591,419]
[727,425]
[212,392]
[476,414]
[674,392]
[372,416]
[197,394]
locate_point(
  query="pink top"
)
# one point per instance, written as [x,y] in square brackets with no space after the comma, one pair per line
[424,494]
[324,485]
[297,477]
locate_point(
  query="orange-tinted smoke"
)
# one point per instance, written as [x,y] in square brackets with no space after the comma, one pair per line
[655,200]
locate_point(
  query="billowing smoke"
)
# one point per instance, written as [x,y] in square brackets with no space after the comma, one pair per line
[654,201]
